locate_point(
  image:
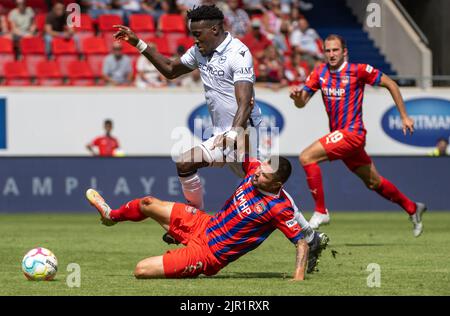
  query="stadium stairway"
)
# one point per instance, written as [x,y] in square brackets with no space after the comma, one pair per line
[335,17]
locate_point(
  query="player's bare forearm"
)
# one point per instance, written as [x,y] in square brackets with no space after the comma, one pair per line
[244,95]
[170,69]
[301,260]
[394,90]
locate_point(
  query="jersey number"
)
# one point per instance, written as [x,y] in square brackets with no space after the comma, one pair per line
[334,137]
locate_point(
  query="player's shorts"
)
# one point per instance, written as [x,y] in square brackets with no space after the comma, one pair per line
[188,226]
[346,146]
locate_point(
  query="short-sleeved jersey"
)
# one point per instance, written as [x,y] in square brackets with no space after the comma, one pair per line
[248,218]
[343,92]
[106,145]
[230,62]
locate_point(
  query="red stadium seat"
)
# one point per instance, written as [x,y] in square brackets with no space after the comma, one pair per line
[162,45]
[38,5]
[80,73]
[86,28]
[96,64]
[32,45]
[64,46]
[48,73]
[128,49]
[40,21]
[142,23]
[64,61]
[106,22]
[6,46]
[16,74]
[186,42]
[94,45]
[172,23]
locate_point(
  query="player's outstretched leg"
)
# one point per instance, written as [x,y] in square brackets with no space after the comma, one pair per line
[309,159]
[389,191]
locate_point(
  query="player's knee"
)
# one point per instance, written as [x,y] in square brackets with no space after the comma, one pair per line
[142,271]
[373,184]
[305,159]
[146,201]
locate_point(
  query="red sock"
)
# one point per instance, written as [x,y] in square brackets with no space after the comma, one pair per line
[128,212]
[314,179]
[391,193]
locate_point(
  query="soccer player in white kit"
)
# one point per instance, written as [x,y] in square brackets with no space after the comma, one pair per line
[226,69]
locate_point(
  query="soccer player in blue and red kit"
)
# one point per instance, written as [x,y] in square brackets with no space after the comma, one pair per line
[257,207]
[342,86]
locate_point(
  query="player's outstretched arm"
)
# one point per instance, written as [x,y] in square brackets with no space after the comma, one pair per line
[170,69]
[300,97]
[388,83]
[301,260]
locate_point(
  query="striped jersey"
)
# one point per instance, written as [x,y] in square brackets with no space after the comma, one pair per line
[343,92]
[248,217]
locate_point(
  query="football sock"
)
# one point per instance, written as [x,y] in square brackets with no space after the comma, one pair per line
[306,229]
[128,212]
[192,190]
[314,179]
[391,193]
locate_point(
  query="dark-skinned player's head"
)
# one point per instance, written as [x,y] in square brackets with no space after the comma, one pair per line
[272,174]
[108,125]
[335,50]
[206,25]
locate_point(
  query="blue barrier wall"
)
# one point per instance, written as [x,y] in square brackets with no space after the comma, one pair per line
[58,184]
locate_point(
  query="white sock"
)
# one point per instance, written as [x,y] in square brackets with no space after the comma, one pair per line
[307,230]
[193,190]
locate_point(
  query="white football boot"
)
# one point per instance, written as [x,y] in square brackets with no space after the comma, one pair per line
[319,219]
[102,207]
[416,219]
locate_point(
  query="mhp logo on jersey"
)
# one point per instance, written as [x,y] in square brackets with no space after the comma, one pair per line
[200,121]
[2,123]
[431,121]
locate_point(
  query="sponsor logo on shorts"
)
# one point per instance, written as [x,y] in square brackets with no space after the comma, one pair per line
[190,209]
[292,224]
[431,121]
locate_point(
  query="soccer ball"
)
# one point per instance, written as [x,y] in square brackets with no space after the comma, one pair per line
[39,264]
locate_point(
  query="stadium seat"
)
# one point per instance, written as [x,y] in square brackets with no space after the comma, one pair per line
[38,5]
[142,24]
[86,28]
[129,50]
[96,63]
[172,23]
[80,73]
[106,22]
[48,73]
[16,74]
[6,46]
[162,44]
[186,42]
[33,51]
[40,21]
[94,45]
[63,62]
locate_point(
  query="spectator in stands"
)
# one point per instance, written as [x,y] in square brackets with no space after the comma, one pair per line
[305,40]
[107,145]
[271,70]
[256,41]
[21,20]
[3,22]
[253,6]
[296,70]
[441,148]
[236,19]
[99,7]
[56,26]
[154,8]
[147,76]
[117,69]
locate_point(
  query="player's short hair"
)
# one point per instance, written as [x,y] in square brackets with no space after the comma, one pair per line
[337,37]
[284,170]
[108,121]
[442,139]
[205,12]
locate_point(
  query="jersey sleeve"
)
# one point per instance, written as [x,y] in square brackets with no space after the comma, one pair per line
[250,164]
[369,75]
[285,221]
[241,66]
[188,59]
[312,83]
[95,142]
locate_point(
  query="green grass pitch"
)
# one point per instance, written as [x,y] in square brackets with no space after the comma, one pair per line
[107,256]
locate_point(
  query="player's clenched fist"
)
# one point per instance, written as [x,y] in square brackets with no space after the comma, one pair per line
[124,33]
[295,93]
